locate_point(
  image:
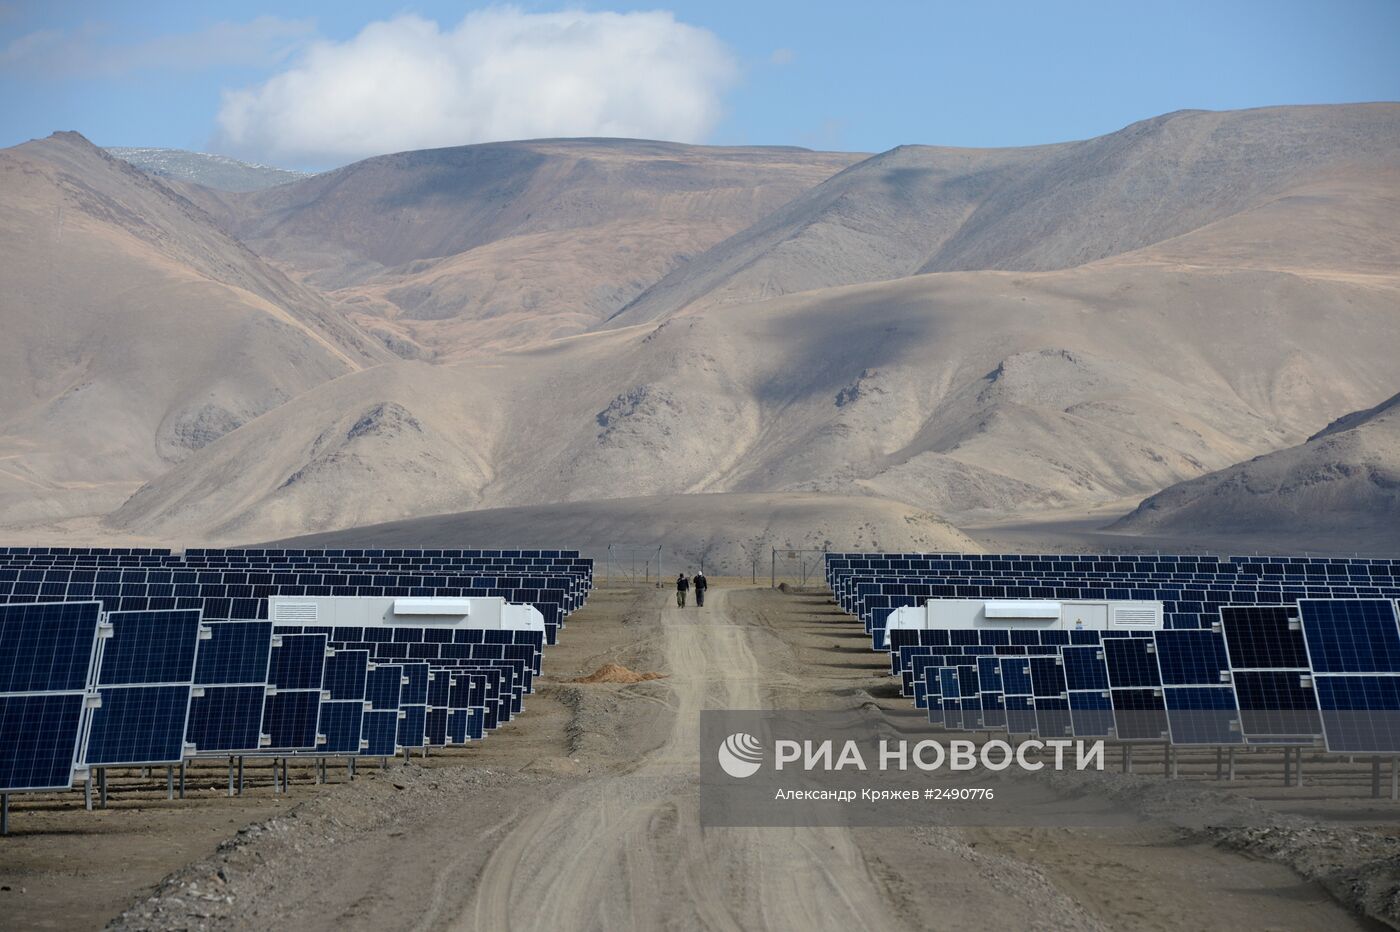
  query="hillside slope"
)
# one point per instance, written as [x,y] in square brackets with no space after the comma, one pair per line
[135,331]
[460,250]
[961,394]
[729,534]
[1343,480]
[921,209]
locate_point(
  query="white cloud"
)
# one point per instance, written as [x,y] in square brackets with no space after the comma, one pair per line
[264,42]
[782,57]
[499,74]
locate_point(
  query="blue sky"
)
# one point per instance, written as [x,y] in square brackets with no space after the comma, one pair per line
[307,84]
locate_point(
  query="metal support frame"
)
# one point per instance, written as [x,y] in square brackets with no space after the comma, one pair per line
[4,813]
[170,782]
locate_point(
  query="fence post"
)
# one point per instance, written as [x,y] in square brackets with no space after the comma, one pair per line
[773,571]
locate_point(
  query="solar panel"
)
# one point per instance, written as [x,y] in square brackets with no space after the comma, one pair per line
[1139,715]
[1263,637]
[1131,663]
[47,647]
[1091,713]
[1360,713]
[149,648]
[1016,695]
[379,733]
[39,734]
[1202,715]
[144,683]
[1351,635]
[139,726]
[291,715]
[413,725]
[1277,706]
[47,660]
[1192,658]
[231,676]
[226,719]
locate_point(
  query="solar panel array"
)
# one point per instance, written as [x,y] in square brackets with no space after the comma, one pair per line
[1255,650]
[141,657]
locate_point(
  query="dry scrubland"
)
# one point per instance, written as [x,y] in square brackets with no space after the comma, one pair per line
[582,814]
[967,336]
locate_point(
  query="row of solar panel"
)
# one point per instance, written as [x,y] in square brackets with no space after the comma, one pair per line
[138,582]
[1244,673]
[847,587]
[82,689]
[1003,559]
[249,602]
[1266,677]
[873,598]
[287,552]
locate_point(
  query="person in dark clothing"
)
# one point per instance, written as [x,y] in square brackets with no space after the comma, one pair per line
[701,584]
[682,587]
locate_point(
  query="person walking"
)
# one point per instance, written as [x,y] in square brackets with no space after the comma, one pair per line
[682,587]
[701,584]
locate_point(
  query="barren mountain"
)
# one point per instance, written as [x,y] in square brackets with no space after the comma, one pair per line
[218,172]
[729,534]
[1225,314]
[1343,480]
[961,394]
[927,209]
[135,331]
[454,251]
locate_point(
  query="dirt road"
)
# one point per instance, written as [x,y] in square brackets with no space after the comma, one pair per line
[629,850]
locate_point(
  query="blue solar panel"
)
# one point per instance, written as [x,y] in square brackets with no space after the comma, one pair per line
[382,687]
[340,726]
[1091,714]
[1139,715]
[139,726]
[47,659]
[149,648]
[226,719]
[291,719]
[1276,706]
[236,652]
[1360,714]
[1263,637]
[39,735]
[1351,636]
[1131,663]
[298,661]
[345,676]
[47,647]
[379,731]
[413,726]
[1085,668]
[1202,715]
[1192,658]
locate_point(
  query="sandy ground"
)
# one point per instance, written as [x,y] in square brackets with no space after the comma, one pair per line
[582,814]
[1087,531]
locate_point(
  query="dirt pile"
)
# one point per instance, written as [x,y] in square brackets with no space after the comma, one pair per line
[617,673]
